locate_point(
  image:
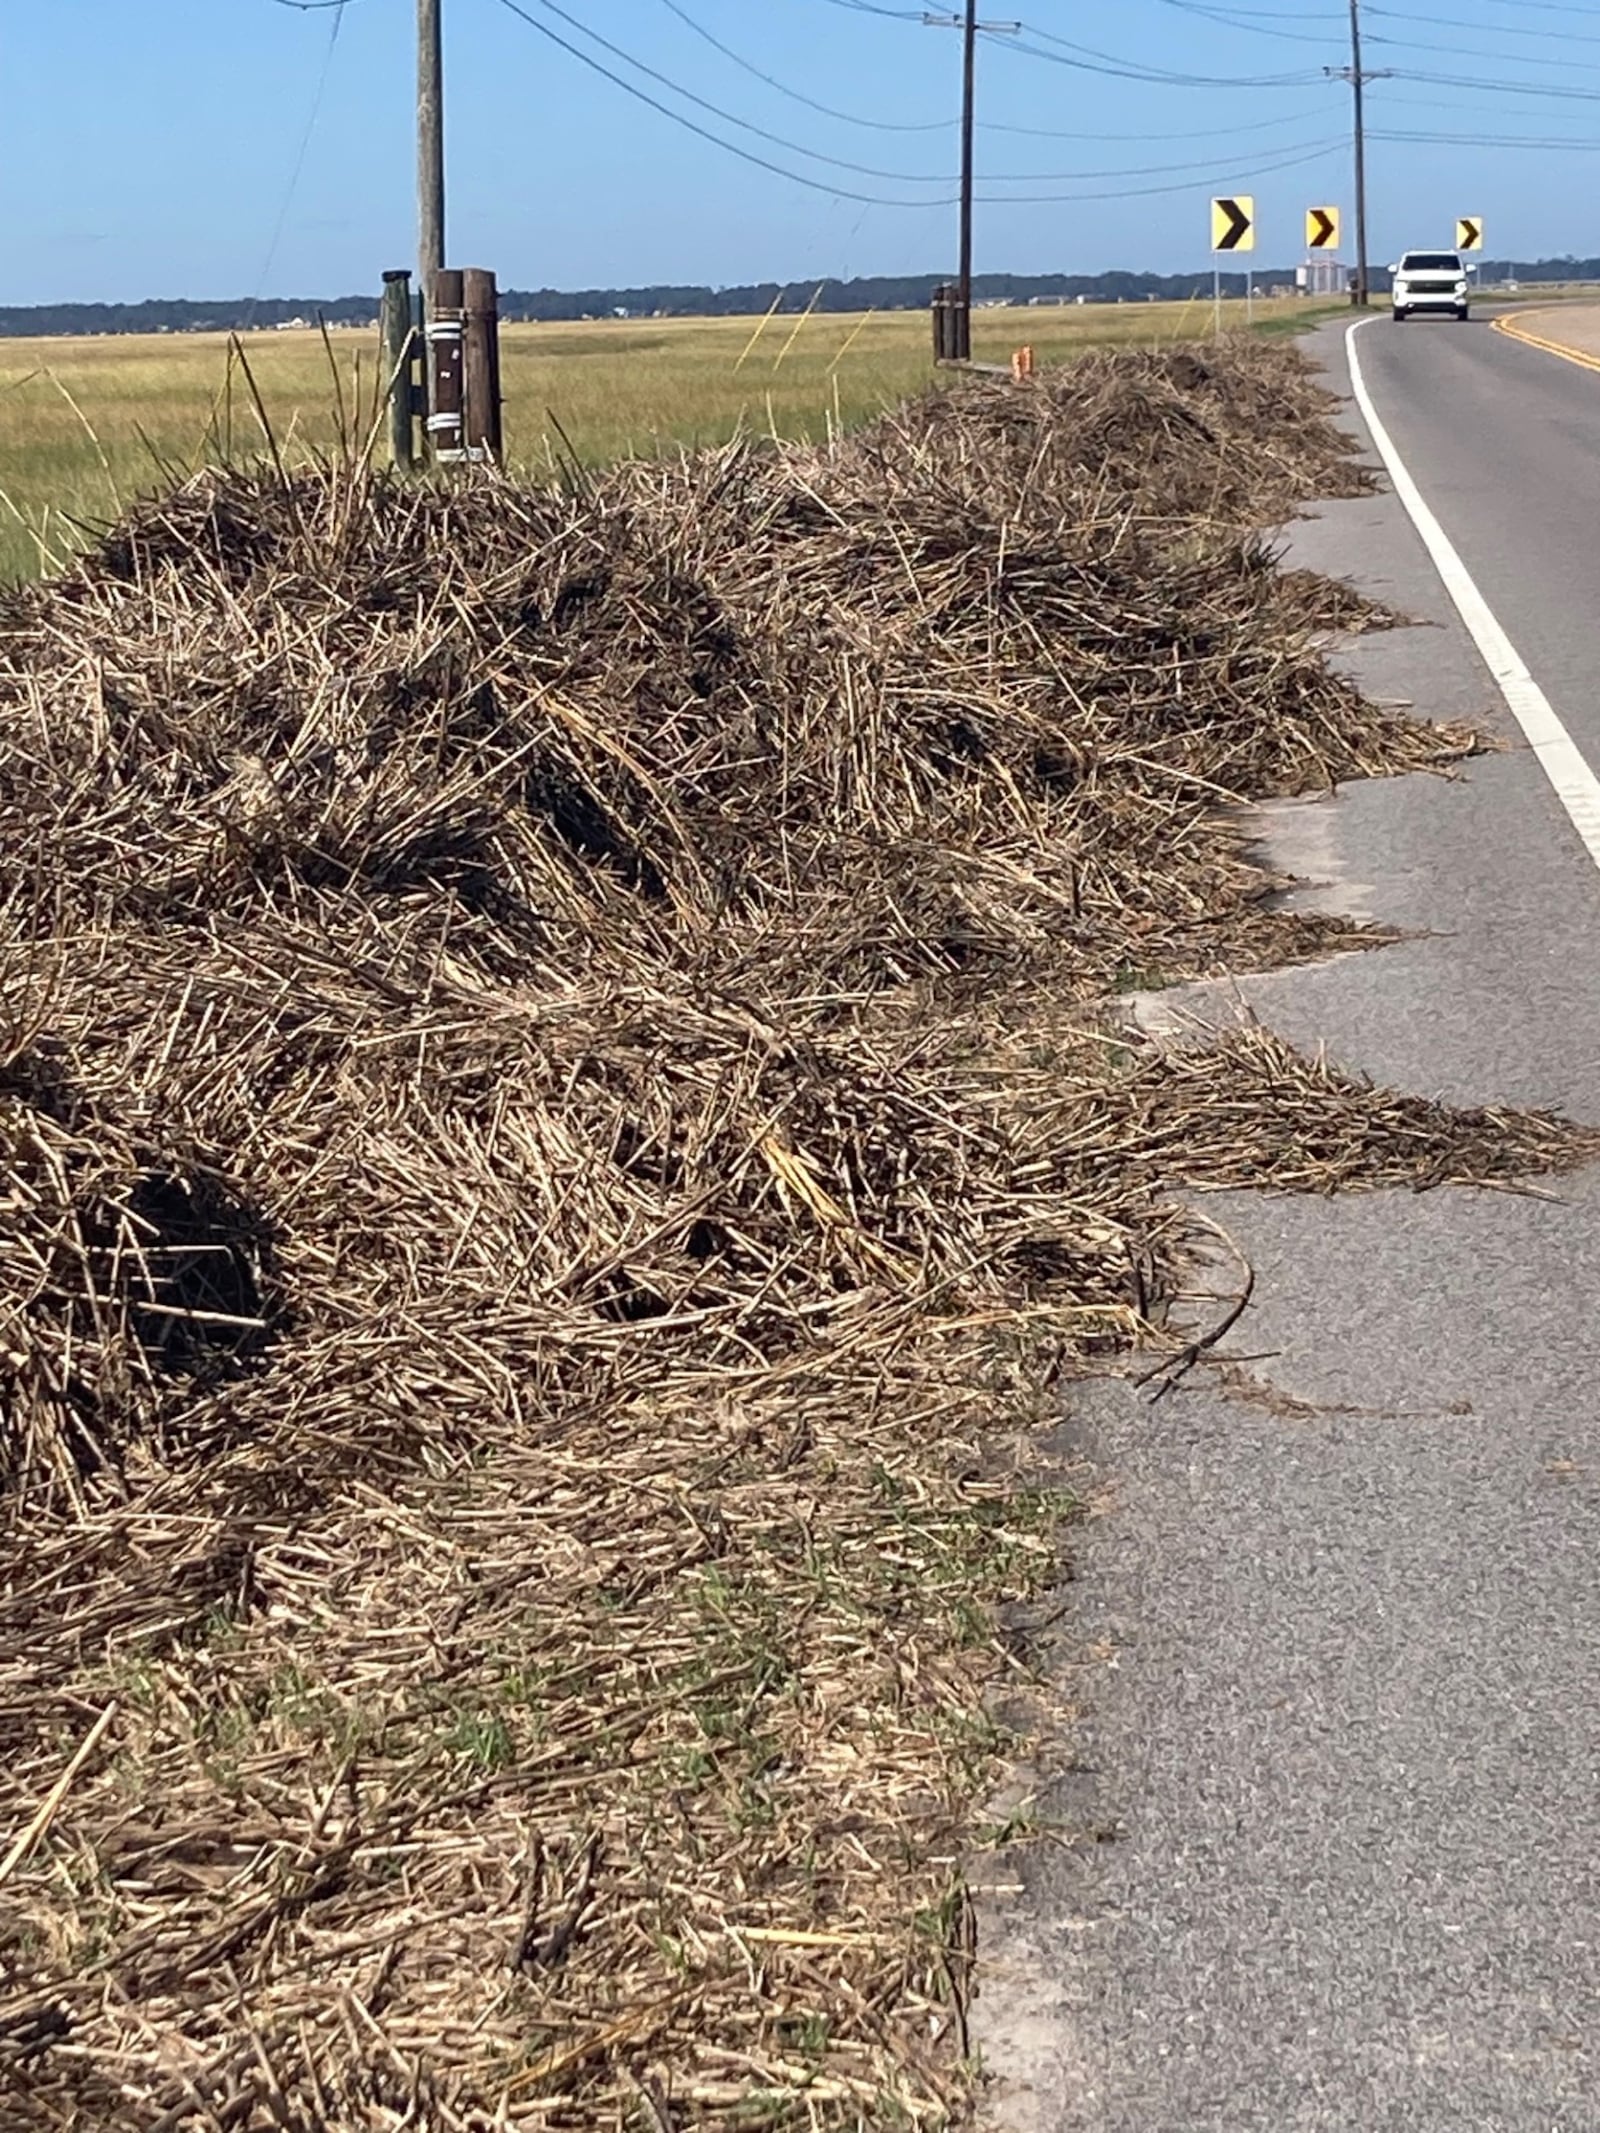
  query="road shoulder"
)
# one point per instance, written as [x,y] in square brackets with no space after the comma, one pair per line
[1322,1826]
[1568,330]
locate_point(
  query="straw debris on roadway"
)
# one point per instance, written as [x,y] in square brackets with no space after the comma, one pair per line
[560,1092]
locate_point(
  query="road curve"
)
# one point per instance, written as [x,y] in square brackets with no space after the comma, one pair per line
[1504,442]
[1335,1644]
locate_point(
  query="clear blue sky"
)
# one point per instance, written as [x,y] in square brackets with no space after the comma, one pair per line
[154,147]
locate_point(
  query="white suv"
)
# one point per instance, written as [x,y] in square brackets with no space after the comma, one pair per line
[1429,281]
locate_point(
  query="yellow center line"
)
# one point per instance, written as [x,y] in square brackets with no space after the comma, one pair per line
[1516,330]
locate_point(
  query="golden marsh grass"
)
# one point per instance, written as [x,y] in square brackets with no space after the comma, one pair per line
[85,425]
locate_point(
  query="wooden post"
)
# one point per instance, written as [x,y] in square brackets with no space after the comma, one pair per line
[445,370]
[484,437]
[942,330]
[399,344]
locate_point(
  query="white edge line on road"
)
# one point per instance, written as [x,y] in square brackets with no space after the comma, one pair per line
[1573,782]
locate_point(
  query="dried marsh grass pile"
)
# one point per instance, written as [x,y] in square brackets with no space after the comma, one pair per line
[554,1107]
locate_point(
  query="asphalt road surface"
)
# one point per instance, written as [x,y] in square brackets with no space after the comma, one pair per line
[1335,1647]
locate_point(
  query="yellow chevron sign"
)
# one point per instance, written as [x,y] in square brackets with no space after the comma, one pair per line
[1233,225]
[1469,233]
[1322,229]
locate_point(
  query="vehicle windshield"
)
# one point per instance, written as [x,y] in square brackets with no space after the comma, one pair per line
[1431,263]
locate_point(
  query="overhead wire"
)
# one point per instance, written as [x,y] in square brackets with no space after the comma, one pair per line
[1481,140]
[1089,59]
[1497,29]
[866,7]
[1268,22]
[1464,106]
[704,103]
[1034,43]
[1231,19]
[1560,93]
[1500,89]
[1199,164]
[848,118]
[1215,172]
[1166,133]
[1043,133]
[1261,21]
[1548,7]
[1378,41]
[679,118]
[319,95]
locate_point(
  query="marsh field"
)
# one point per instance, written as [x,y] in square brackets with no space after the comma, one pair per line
[86,425]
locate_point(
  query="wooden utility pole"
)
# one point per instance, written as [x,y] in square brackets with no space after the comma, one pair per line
[969,100]
[1358,84]
[430,142]
[462,310]
[960,319]
[1358,77]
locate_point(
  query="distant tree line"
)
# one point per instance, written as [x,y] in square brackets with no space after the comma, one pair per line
[905,292]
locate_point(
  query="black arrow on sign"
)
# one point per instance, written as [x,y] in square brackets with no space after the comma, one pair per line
[1325,227]
[1238,225]
[1471,234]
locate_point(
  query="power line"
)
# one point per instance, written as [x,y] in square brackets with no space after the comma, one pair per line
[1494,105]
[1498,29]
[1202,164]
[305,7]
[1040,133]
[1497,89]
[1256,21]
[1166,133]
[728,118]
[865,7]
[745,155]
[1087,59]
[1119,71]
[848,118]
[1233,21]
[1549,7]
[1268,167]
[1473,51]
[1253,15]
[1551,143]
[1289,157]
[1501,87]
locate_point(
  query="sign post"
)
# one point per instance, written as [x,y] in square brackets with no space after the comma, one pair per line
[1233,229]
